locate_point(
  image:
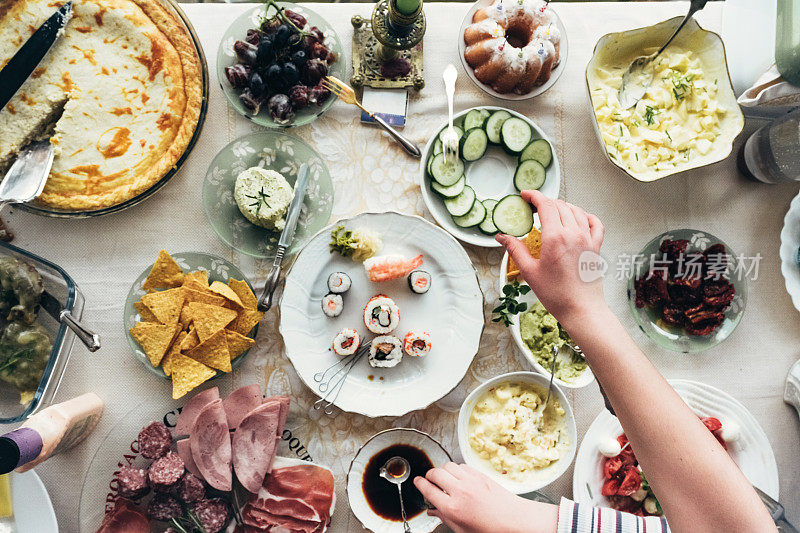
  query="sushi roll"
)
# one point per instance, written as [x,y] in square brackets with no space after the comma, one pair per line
[386,351]
[417,344]
[419,281]
[381,315]
[332,305]
[339,283]
[346,342]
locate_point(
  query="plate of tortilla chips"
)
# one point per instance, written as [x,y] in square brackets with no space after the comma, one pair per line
[191,316]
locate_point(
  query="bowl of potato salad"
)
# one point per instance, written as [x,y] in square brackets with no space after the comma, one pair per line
[688,117]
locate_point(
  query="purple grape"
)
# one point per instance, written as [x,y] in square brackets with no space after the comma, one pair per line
[299,58]
[290,74]
[274,77]
[299,96]
[257,85]
[282,35]
[266,52]
[238,75]
[280,107]
[245,51]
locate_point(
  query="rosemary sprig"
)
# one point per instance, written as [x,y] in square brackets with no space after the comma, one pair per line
[258,199]
[509,306]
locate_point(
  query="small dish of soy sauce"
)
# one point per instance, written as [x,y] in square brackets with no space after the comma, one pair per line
[375,500]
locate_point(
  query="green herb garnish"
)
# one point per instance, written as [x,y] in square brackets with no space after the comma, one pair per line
[649,114]
[509,305]
[342,241]
[259,199]
[24,354]
[681,85]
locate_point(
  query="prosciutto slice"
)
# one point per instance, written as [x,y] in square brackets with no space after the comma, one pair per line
[241,402]
[284,400]
[125,517]
[254,445]
[192,409]
[211,446]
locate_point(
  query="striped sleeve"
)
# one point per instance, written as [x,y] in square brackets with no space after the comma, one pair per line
[576,517]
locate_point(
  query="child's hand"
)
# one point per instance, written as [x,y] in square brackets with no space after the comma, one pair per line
[468,501]
[567,232]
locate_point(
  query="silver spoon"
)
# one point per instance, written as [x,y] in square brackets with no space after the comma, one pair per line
[575,348]
[637,78]
[397,470]
[552,375]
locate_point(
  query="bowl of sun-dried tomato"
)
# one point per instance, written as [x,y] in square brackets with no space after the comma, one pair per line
[688,290]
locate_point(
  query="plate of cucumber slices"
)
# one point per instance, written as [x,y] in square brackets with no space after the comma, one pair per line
[501,152]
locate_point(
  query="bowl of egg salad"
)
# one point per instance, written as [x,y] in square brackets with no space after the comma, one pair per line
[508,432]
[688,117]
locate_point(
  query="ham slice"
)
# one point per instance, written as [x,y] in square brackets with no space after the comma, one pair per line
[192,408]
[211,446]
[185,453]
[254,445]
[125,517]
[284,400]
[241,402]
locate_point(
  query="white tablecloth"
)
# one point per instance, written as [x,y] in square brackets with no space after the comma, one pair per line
[105,255]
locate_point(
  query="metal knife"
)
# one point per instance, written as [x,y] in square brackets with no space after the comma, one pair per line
[54,308]
[287,236]
[27,58]
[776,511]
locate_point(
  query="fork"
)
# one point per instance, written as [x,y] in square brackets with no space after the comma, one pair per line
[776,511]
[449,136]
[347,95]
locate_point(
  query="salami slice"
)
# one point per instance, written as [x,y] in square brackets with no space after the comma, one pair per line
[240,402]
[254,445]
[185,451]
[192,408]
[211,446]
[132,482]
[154,440]
[166,471]
[213,514]
[190,488]
[164,507]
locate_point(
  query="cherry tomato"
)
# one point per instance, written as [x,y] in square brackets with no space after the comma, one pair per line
[611,466]
[631,483]
[610,487]
[713,424]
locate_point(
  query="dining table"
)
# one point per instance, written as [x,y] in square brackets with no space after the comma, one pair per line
[371,173]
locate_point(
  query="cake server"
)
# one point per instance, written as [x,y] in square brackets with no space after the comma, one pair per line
[26,178]
[287,236]
[30,55]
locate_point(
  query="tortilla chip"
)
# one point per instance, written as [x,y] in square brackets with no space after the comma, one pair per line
[165,274]
[190,341]
[246,321]
[238,344]
[228,293]
[197,280]
[213,352]
[533,242]
[155,339]
[146,314]
[204,297]
[166,362]
[188,374]
[165,305]
[208,319]
[242,290]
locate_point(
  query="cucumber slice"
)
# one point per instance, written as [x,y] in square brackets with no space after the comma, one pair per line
[473,144]
[458,129]
[446,173]
[539,150]
[475,119]
[461,204]
[475,216]
[513,216]
[487,226]
[451,191]
[493,125]
[530,175]
[516,134]
[428,165]
[437,147]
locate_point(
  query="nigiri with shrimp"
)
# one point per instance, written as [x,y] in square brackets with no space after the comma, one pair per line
[389,267]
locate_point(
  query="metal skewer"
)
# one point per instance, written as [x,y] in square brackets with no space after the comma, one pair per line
[330,387]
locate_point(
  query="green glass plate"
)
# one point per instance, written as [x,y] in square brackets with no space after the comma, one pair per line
[218,270]
[676,339]
[227,57]
[276,151]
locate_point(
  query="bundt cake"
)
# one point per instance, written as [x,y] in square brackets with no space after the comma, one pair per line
[513,45]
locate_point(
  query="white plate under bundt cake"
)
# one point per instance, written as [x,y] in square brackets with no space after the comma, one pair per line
[513,47]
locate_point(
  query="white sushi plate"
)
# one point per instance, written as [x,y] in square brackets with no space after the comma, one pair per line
[790,242]
[751,452]
[491,176]
[451,312]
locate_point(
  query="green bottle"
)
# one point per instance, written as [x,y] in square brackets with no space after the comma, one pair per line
[787,40]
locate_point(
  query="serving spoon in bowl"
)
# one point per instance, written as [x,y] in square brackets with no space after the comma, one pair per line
[638,77]
[397,470]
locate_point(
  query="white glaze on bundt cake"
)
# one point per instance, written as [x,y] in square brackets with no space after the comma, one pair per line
[513,45]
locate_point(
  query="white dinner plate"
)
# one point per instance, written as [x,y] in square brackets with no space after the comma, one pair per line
[790,242]
[451,312]
[491,176]
[752,452]
[32,508]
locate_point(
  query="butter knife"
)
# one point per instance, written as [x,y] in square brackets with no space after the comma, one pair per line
[27,58]
[287,236]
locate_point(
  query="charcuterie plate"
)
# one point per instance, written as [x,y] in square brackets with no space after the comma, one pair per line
[451,313]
